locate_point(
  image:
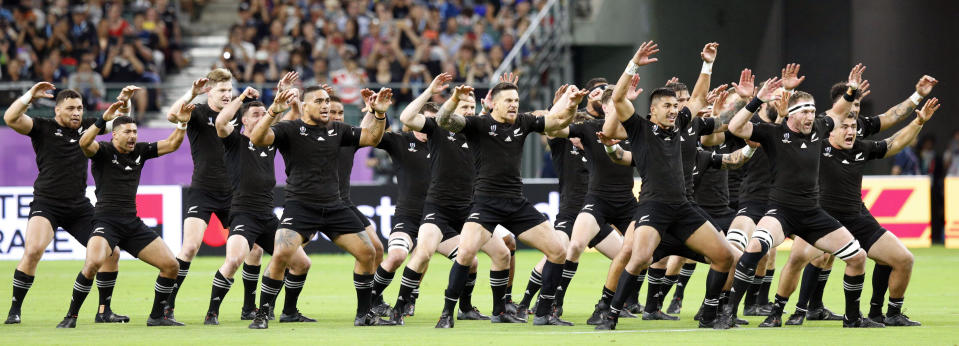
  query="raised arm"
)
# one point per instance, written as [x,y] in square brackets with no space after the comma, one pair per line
[411,115]
[445,117]
[717,137]
[373,133]
[697,98]
[842,107]
[562,113]
[172,143]
[903,137]
[295,107]
[739,157]
[88,144]
[740,125]
[200,87]
[224,120]
[15,116]
[624,106]
[899,112]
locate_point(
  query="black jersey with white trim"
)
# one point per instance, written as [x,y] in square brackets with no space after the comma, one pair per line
[498,152]
[689,137]
[840,176]
[865,125]
[606,177]
[411,160]
[62,176]
[206,149]
[794,161]
[311,154]
[657,153]
[570,165]
[251,173]
[757,178]
[117,177]
[451,165]
[345,170]
[711,181]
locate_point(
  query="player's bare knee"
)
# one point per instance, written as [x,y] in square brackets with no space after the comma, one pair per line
[169,268]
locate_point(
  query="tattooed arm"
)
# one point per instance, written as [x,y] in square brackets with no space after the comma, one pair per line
[903,137]
[899,112]
[446,118]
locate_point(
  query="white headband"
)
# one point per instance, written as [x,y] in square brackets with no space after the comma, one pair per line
[802,106]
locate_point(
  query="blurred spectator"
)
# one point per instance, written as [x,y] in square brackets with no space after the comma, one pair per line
[906,162]
[88,82]
[951,156]
[379,160]
[929,160]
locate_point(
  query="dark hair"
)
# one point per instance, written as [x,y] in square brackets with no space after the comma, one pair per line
[592,83]
[334,98]
[838,90]
[123,121]
[68,94]
[677,87]
[430,107]
[660,92]
[502,86]
[246,107]
[310,89]
[607,94]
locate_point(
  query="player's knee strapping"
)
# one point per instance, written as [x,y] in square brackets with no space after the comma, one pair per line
[850,250]
[399,243]
[765,239]
[453,253]
[737,237]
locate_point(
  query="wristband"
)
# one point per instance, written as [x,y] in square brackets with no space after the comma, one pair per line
[26,99]
[100,124]
[377,117]
[753,105]
[612,149]
[632,69]
[915,98]
[849,97]
[707,68]
[181,125]
[748,151]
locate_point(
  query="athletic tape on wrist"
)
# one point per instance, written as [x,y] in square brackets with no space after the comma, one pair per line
[181,125]
[748,151]
[915,98]
[612,149]
[26,99]
[707,68]
[632,68]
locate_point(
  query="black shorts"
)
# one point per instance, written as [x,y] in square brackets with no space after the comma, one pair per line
[680,220]
[449,218]
[810,225]
[408,224]
[565,223]
[333,220]
[862,225]
[516,214]
[752,209]
[76,219]
[127,232]
[200,203]
[720,216]
[670,245]
[259,229]
[614,211]
[365,220]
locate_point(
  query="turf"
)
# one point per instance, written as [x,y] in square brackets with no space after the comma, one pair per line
[329,297]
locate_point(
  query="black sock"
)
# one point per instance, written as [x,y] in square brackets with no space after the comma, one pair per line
[459,274]
[105,283]
[779,304]
[381,280]
[668,284]
[293,284]
[535,282]
[552,273]
[752,293]
[723,299]
[408,283]
[250,277]
[161,292]
[852,287]
[509,293]
[269,289]
[763,294]
[627,283]
[880,283]
[684,274]
[363,283]
[221,285]
[633,297]
[497,281]
[810,277]
[815,298]
[81,287]
[745,271]
[895,306]
[657,279]
[21,284]
[180,276]
[466,299]
[714,287]
[607,296]
[569,270]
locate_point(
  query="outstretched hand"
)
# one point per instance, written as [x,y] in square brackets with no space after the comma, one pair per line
[931,106]
[713,94]
[747,84]
[925,84]
[606,140]
[111,112]
[642,56]
[709,52]
[42,90]
[382,101]
[768,91]
[183,115]
[509,77]
[558,95]
[634,90]
[287,81]
[855,76]
[440,83]
[790,77]
[200,87]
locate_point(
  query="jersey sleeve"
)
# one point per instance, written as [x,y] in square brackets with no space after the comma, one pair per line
[40,125]
[868,126]
[281,133]
[230,139]
[429,126]
[195,116]
[103,153]
[534,123]
[706,125]
[147,150]
[714,160]
[827,124]
[388,142]
[351,135]
[472,126]
[763,133]
[633,125]
[577,130]
[875,149]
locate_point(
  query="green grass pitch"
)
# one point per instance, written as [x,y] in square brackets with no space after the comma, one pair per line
[329,297]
